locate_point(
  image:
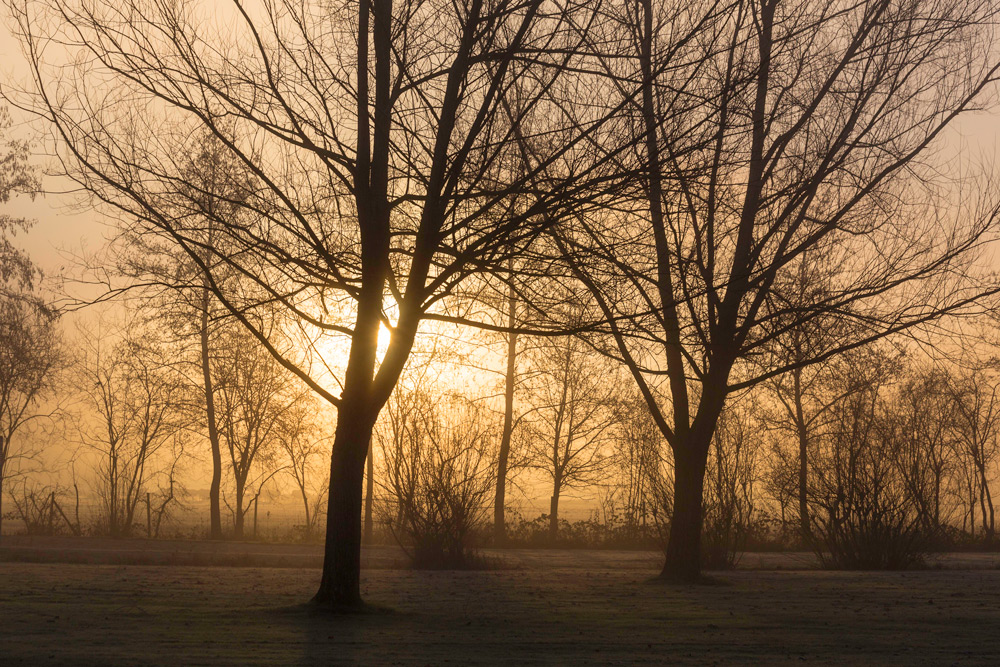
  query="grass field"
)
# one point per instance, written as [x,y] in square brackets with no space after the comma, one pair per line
[548,608]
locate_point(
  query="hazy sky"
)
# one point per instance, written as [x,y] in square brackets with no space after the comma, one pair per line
[60,229]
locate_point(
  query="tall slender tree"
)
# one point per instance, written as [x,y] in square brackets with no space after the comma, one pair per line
[572,396]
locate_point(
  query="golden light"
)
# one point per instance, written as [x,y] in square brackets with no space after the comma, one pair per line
[384,336]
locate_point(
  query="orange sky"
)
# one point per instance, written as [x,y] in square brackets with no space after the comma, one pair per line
[60,230]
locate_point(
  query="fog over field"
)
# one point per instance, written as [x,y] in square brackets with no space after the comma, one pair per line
[354,324]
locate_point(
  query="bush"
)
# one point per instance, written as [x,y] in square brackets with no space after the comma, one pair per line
[871,536]
[40,510]
[439,477]
[609,532]
[866,519]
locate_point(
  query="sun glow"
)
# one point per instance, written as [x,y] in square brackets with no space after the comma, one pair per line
[332,352]
[384,336]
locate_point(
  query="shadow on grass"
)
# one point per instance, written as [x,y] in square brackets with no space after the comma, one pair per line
[317,610]
[476,563]
[700,580]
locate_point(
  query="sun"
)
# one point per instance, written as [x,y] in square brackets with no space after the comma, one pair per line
[384,336]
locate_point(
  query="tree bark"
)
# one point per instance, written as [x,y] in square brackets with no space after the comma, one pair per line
[341,582]
[800,427]
[215,509]
[369,533]
[683,554]
[238,519]
[305,504]
[499,502]
[3,461]
[554,516]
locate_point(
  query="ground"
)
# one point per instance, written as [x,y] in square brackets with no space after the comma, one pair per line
[552,607]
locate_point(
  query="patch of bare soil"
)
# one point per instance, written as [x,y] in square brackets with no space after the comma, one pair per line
[108,615]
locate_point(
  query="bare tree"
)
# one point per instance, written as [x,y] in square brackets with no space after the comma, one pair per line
[923,424]
[258,405]
[131,397]
[572,394]
[976,395]
[865,515]
[378,141]
[29,346]
[638,463]
[506,435]
[30,351]
[183,296]
[801,392]
[439,462]
[770,131]
[301,440]
[731,502]
[17,272]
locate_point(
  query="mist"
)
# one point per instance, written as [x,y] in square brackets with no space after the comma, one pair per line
[489,332]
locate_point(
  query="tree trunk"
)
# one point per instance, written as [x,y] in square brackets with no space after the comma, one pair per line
[1,486]
[986,503]
[554,516]
[937,500]
[800,426]
[340,586]
[369,534]
[499,502]
[3,462]
[215,509]
[972,510]
[341,582]
[991,510]
[683,554]
[305,504]
[238,519]
[802,432]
